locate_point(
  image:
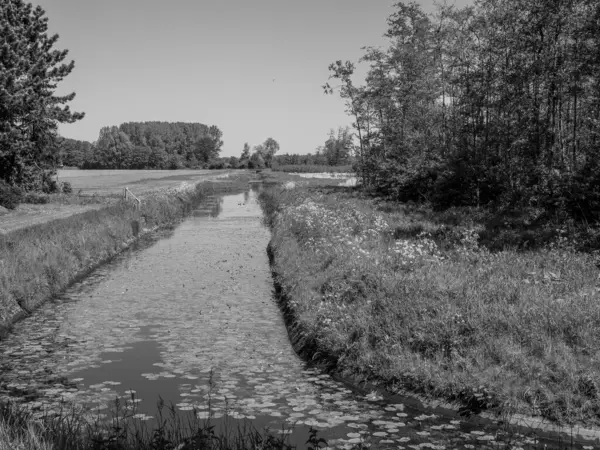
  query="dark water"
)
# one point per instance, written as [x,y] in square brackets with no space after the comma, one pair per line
[189,315]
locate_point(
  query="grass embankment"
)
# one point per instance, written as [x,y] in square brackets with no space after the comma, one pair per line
[40,261]
[383,294]
[312,168]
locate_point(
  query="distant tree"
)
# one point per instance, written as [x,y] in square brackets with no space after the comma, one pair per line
[336,150]
[283,160]
[245,156]
[269,148]
[174,162]
[167,144]
[257,160]
[139,158]
[457,112]
[260,149]
[115,147]
[30,70]
[234,162]
[245,151]
[157,159]
[73,152]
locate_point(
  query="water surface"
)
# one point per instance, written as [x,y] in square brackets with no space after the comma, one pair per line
[189,315]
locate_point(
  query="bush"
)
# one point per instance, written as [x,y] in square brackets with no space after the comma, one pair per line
[35,198]
[45,182]
[67,188]
[10,196]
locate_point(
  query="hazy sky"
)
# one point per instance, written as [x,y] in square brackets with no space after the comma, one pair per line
[254,68]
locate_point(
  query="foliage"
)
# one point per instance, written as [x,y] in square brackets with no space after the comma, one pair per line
[256,161]
[148,145]
[30,69]
[337,147]
[263,154]
[10,196]
[73,153]
[245,156]
[268,150]
[36,198]
[458,112]
[67,188]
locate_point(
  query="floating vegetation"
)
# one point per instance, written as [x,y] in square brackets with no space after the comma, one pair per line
[192,319]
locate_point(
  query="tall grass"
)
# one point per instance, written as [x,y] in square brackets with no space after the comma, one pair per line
[422,306]
[71,429]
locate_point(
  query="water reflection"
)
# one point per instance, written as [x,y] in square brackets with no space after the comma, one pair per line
[191,318]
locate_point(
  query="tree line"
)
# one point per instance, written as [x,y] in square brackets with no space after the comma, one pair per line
[495,104]
[145,145]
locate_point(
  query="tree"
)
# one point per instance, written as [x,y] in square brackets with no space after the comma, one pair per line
[233,162]
[458,112]
[30,69]
[166,144]
[245,152]
[115,147]
[337,148]
[245,157]
[270,147]
[72,152]
[257,160]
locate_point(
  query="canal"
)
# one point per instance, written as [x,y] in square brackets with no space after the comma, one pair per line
[189,316]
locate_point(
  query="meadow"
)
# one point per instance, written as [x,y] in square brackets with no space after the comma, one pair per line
[96,189]
[410,298]
[112,182]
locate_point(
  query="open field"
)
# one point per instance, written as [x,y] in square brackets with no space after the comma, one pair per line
[94,189]
[111,182]
[382,293]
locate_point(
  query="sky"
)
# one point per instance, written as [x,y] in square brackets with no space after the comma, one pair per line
[254,68]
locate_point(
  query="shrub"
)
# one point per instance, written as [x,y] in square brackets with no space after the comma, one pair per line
[35,198]
[10,196]
[49,186]
[67,188]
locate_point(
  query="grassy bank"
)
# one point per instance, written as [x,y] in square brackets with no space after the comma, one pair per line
[39,261]
[383,293]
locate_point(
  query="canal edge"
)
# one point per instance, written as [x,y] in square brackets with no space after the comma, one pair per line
[308,350]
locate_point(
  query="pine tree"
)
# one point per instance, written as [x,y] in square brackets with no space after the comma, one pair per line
[30,69]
